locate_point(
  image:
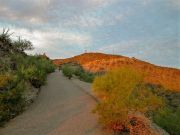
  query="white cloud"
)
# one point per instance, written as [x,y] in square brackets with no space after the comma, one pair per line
[64,27]
[83,21]
[146,2]
[18,10]
[101,2]
[157,51]
[47,11]
[123,48]
[40,38]
[93,21]
[175,3]
[54,43]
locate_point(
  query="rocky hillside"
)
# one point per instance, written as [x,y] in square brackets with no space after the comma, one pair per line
[98,62]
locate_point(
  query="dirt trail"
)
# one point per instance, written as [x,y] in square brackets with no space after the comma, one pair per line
[62,108]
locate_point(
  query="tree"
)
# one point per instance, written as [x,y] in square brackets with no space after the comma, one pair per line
[9,46]
[5,41]
[22,44]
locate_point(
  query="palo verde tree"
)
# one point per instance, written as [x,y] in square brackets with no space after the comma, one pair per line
[6,42]
[22,45]
[9,46]
[122,92]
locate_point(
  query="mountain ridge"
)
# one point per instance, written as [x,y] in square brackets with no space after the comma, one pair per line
[99,62]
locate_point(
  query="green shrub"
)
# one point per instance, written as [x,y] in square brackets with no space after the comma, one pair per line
[34,69]
[11,102]
[67,71]
[16,70]
[168,117]
[87,77]
[78,71]
[168,120]
[71,69]
[45,64]
[121,92]
[36,76]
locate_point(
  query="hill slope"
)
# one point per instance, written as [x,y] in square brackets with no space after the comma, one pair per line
[99,62]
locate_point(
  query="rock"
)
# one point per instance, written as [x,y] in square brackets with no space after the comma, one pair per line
[30,93]
[140,125]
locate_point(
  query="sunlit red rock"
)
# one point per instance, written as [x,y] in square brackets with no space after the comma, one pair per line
[98,62]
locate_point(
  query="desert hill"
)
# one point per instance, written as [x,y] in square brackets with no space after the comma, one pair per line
[99,62]
[85,58]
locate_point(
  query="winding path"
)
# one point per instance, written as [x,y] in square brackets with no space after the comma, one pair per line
[62,108]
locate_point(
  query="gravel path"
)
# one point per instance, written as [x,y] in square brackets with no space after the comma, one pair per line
[62,108]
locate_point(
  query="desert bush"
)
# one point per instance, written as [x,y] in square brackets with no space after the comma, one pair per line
[168,119]
[71,69]
[35,75]
[33,69]
[121,92]
[4,81]
[11,102]
[172,97]
[16,70]
[8,81]
[87,77]
[78,71]
[67,71]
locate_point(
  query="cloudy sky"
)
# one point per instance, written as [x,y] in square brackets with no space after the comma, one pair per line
[145,29]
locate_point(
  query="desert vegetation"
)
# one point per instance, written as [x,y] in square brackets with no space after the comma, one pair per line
[167,117]
[127,87]
[70,69]
[17,71]
[123,93]
[98,62]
